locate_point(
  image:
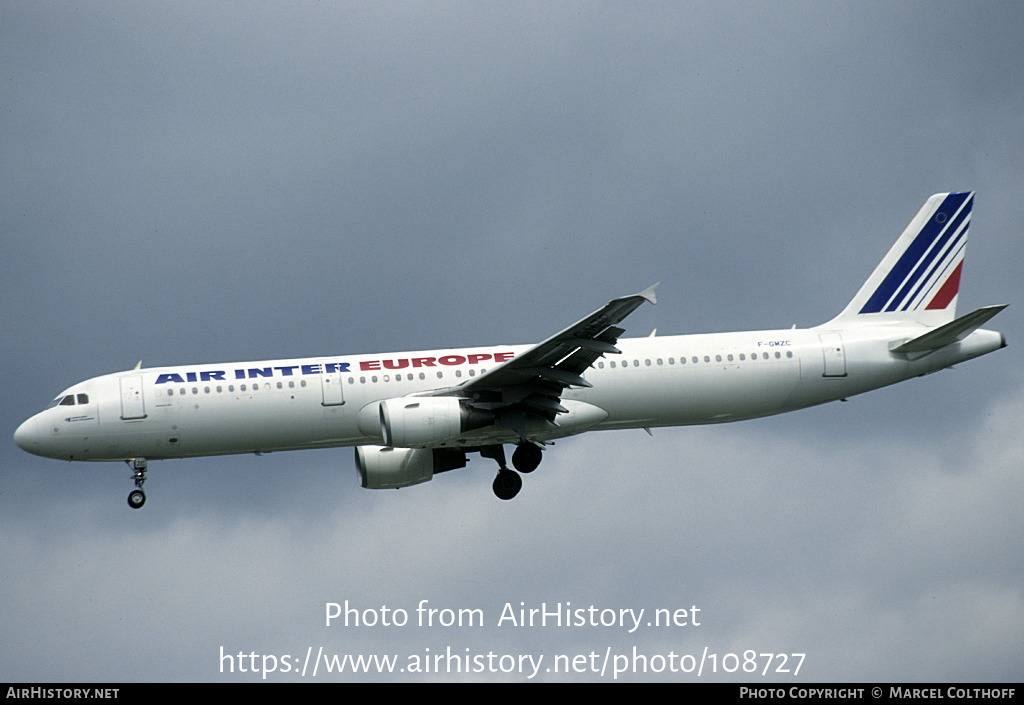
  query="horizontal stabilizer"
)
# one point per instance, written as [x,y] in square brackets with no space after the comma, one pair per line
[952,332]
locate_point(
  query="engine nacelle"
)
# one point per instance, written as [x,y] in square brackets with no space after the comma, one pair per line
[411,422]
[390,468]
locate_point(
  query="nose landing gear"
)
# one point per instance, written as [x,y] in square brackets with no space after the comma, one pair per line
[136,498]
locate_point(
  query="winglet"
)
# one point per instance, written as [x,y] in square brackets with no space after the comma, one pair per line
[648,293]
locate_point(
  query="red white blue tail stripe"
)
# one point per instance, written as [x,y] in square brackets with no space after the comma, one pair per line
[926,272]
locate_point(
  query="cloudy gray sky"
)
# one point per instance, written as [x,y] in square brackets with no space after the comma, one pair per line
[198,182]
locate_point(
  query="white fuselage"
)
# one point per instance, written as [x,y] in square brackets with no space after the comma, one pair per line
[258,407]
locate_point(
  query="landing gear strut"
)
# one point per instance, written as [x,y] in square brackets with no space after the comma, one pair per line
[508,483]
[526,458]
[136,498]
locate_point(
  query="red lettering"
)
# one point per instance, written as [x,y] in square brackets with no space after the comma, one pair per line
[474,359]
[423,361]
[452,360]
[396,364]
[502,357]
[369,365]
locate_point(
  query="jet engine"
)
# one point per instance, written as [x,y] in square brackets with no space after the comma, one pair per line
[411,422]
[386,468]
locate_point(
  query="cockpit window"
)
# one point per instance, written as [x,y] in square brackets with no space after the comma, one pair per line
[69,400]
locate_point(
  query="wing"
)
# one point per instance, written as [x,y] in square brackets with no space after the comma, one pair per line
[533,382]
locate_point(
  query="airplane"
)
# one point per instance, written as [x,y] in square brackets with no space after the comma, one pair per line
[412,415]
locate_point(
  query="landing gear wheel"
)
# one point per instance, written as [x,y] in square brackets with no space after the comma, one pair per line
[136,498]
[527,457]
[507,484]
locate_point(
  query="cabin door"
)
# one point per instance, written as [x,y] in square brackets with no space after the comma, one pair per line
[835,354]
[133,406]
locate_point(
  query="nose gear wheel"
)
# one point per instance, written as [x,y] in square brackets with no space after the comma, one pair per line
[136,498]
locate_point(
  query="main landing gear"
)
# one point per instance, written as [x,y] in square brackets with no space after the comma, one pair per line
[526,458]
[136,498]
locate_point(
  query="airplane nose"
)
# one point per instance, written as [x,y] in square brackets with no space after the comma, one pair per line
[27,436]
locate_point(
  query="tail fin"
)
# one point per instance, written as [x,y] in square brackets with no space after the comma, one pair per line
[919,279]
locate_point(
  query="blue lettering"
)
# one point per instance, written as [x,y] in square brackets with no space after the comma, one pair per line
[255,372]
